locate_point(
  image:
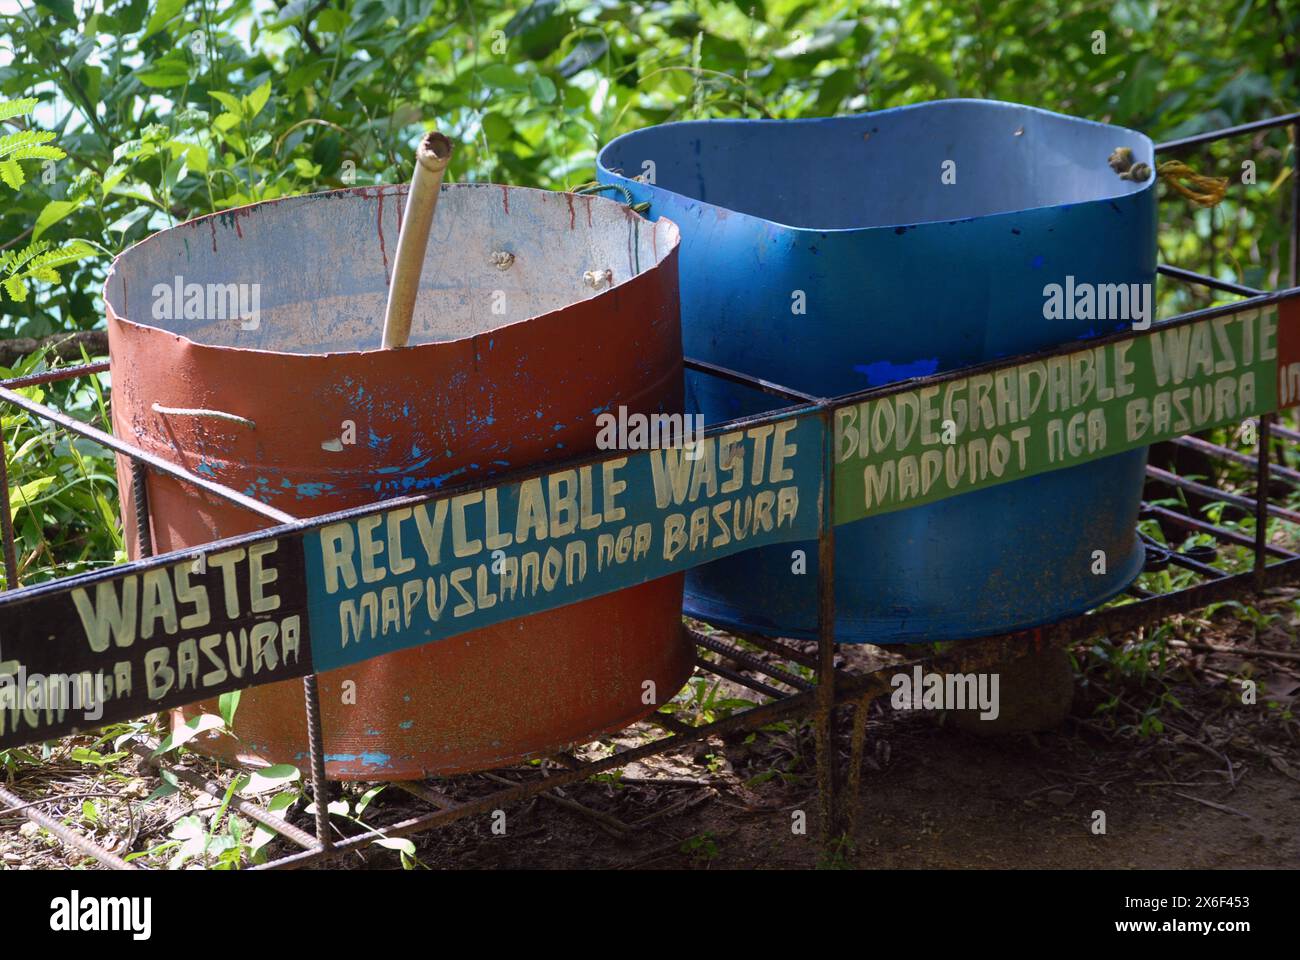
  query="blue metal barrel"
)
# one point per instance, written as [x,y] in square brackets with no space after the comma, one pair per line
[837,254]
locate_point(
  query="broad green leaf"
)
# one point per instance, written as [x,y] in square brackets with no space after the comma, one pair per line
[367,797]
[307,73]
[227,704]
[338,808]
[257,99]
[168,786]
[229,101]
[188,731]
[503,77]
[193,836]
[332,21]
[54,211]
[163,12]
[197,157]
[262,835]
[543,88]
[268,778]
[162,75]
[20,496]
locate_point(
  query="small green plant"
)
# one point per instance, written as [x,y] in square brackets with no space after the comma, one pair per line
[701,848]
[840,854]
[39,260]
[1138,668]
[703,700]
[62,491]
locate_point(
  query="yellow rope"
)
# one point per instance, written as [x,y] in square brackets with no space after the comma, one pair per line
[1200,190]
[1208,192]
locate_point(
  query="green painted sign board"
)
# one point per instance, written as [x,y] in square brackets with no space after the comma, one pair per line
[912,447]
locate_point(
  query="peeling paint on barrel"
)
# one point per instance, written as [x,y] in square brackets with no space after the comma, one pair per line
[474,396]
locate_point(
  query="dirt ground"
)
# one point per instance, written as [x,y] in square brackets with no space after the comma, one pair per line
[1210,782]
[932,797]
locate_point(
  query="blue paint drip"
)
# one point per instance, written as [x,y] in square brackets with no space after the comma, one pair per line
[882,371]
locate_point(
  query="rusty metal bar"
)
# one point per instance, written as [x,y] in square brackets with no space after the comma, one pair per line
[1201,526]
[1235,499]
[320,792]
[857,743]
[782,650]
[825,691]
[140,499]
[58,373]
[72,838]
[1187,563]
[1223,134]
[1226,453]
[1201,279]
[1295,201]
[758,686]
[432,797]
[670,723]
[7,520]
[745,380]
[750,661]
[135,453]
[1261,498]
[1286,433]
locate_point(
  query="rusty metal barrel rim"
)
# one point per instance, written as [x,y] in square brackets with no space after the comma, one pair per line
[601,275]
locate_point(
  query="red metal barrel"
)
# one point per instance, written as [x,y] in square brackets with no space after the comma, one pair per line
[244,346]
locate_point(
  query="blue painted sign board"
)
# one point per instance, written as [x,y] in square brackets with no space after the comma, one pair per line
[89,650]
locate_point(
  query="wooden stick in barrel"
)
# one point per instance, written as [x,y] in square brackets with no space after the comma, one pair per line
[431,159]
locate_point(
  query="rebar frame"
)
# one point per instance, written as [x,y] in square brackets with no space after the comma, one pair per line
[832,687]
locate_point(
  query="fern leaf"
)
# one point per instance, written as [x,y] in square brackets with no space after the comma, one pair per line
[11,261]
[37,152]
[68,253]
[12,142]
[17,108]
[12,174]
[16,288]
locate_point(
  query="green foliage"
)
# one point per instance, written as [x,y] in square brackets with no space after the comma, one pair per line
[188,107]
[38,260]
[62,489]
[23,145]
